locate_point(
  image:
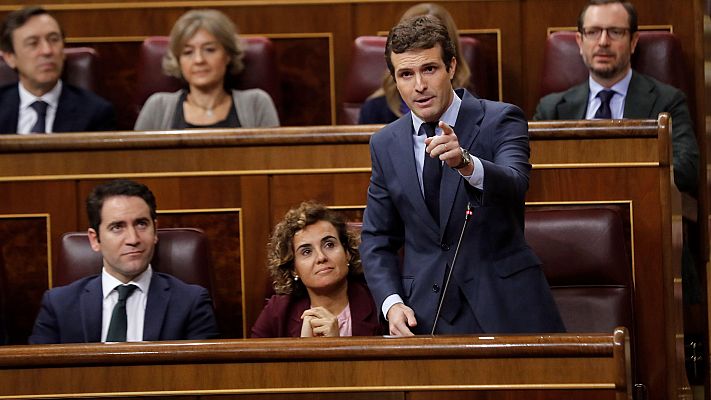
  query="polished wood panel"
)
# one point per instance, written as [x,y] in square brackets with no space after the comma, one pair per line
[24,258]
[596,363]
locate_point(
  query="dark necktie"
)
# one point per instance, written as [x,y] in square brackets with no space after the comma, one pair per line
[117,327]
[40,108]
[604,111]
[431,175]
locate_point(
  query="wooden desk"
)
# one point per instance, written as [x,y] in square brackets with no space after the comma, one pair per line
[521,367]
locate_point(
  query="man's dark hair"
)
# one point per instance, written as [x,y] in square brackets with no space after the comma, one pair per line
[419,33]
[631,12]
[119,187]
[15,20]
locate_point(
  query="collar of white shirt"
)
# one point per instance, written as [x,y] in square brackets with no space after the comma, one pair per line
[109,283]
[449,117]
[620,87]
[51,97]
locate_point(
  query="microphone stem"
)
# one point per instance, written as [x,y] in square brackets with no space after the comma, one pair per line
[451,268]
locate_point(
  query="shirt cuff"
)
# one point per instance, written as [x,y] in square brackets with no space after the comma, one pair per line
[389,302]
[476,179]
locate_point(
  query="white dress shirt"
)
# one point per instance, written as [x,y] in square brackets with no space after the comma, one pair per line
[28,116]
[135,304]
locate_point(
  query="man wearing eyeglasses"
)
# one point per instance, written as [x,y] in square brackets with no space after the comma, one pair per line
[607,37]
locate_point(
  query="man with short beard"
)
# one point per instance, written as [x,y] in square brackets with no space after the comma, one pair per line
[607,37]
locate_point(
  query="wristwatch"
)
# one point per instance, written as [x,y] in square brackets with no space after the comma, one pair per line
[466,159]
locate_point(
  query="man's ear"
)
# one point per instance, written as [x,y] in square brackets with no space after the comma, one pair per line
[155,226]
[452,68]
[9,59]
[579,40]
[94,240]
[633,44]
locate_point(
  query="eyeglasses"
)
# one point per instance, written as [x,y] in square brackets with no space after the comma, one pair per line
[595,32]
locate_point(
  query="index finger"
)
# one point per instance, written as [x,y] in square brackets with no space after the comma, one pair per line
[446,129]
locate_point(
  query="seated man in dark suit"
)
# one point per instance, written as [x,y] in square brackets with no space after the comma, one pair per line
[607,36]
[128,301]
[32,43]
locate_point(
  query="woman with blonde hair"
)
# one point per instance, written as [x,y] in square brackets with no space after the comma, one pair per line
[204,51]
[385,105]
[315,265]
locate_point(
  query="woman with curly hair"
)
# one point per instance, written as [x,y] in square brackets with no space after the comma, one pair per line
[314,262]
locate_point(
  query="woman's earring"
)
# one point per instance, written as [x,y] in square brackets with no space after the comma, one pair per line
[296,278]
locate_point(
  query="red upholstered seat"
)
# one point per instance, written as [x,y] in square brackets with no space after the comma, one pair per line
[181,252]
[658,54]
[587,264]
[365,74]
[80,68]
[260,69]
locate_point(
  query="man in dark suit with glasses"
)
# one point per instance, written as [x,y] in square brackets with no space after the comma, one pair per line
[607,37]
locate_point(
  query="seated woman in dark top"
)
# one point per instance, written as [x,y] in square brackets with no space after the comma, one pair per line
[385,105]
[315,265]
[204,52]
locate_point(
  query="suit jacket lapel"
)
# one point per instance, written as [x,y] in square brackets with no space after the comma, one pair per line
[574,103]
[10,109]
[467,129]
[91,306]
[156,306]
[640,98]
[403,159]
[67,111]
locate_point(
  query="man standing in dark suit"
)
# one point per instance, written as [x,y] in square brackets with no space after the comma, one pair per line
[128,301]
[451,150]
[607,37]
[32,43]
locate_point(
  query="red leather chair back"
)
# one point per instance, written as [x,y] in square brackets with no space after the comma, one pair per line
[260,69]
[365,74]
[587,264]
[80,68]
[181,252]
[658,54]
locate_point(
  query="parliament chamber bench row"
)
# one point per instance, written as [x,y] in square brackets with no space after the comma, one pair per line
[658,54]
[608,177]
[587,262]
[584,250]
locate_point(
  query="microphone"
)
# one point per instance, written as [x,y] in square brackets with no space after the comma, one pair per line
[467,217]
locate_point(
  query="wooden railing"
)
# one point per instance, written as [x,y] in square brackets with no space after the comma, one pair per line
[521,367]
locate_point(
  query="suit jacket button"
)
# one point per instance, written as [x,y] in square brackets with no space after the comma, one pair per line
[435,288]
[444,246]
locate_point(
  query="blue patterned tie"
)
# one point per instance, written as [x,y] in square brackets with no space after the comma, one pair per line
[604,111]
[40,108]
